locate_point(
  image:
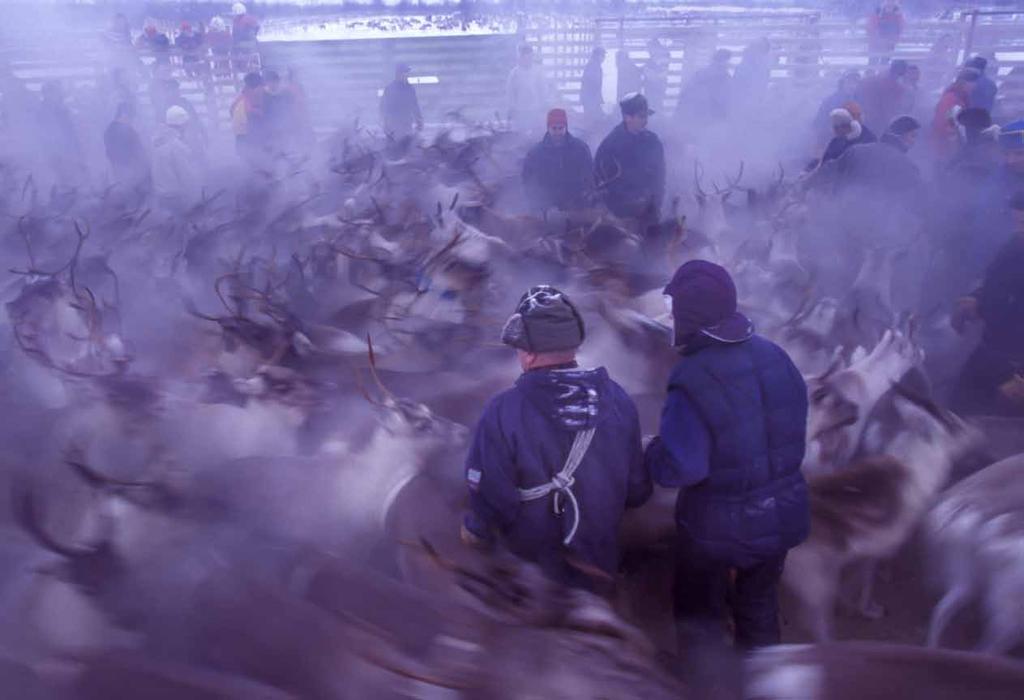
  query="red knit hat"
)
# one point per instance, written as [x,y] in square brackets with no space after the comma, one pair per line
[558,116]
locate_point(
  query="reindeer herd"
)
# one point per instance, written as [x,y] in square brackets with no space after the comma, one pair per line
[233,441]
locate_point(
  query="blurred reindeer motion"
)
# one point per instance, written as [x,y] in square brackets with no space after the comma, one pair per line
[240,377]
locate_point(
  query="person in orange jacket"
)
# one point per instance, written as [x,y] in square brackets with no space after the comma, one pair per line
[944,133]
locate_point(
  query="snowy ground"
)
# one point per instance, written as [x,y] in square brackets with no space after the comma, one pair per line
[381,27]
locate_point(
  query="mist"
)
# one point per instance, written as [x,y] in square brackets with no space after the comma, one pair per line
[255,296]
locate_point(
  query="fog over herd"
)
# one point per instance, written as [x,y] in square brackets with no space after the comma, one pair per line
[511,350]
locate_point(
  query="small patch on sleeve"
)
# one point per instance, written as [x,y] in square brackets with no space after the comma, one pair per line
[473,477]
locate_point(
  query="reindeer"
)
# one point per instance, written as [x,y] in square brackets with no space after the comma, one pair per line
[866,511]
[841,400]
[973,536]
[855,670]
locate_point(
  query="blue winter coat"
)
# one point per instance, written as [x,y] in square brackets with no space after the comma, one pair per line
[741,410]
[524,438]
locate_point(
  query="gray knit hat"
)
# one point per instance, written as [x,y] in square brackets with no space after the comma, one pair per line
[544,321]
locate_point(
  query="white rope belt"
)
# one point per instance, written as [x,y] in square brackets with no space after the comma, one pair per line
[562,482]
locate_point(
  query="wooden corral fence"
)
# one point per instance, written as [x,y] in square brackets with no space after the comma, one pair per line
[809,51]
[343,79]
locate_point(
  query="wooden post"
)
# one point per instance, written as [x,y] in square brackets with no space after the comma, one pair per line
[969,44]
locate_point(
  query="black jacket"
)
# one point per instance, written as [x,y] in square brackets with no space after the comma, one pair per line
[559,175]
[399,107]
[630,173]
[1001,300]
[838,145]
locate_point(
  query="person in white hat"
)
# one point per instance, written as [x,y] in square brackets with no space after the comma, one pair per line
[175,172]
[244,27]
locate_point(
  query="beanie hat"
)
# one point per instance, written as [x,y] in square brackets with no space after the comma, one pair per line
[704,302]
[979,63]
[558,116]
[544,321]
[901,126]
[840,117]
[176,116]
[968,75]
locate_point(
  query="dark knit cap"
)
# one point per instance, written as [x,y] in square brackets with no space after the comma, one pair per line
[903,125]
[979,63]
[704,301]
[544,321]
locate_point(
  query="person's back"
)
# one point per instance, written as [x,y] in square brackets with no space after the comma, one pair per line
[125,152]
[732,439]
[752,397]
[562,435]
[592,85]
[882,96]
[399,106]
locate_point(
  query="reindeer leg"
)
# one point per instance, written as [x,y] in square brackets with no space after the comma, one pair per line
[867,605]
[812,574]
[952,602]
[1004,626]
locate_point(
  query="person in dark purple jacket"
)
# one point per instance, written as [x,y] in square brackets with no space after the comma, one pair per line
[732,440]
[557,458]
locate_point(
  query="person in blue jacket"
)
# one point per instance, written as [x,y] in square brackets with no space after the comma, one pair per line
[557,458]
[732,440]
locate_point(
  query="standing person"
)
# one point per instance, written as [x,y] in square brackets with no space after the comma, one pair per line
[885,26]
[279,118]
[303,133]
[527,91]
[592,86]
[846,91]
[706,99]
[244,26]
[129,162]
[848,131]
[399,106]
[156,42]
[175,170]
[992,380]
[883,96]
[985,90]
[944,133]
[563,436]
[630,165]
[58,136]
[732,440]
[752,75]
[190,43]
[247,117]
[629,78]
[655,73]
[559,171]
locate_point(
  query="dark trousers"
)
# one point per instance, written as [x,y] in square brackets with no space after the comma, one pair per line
[706,590]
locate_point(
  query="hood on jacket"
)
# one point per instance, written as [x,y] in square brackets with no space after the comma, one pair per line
[573,397]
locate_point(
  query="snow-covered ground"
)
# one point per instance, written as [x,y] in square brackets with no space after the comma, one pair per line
[381,27]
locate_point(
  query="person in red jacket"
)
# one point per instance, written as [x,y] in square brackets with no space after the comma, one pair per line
[944,133]
[885,26]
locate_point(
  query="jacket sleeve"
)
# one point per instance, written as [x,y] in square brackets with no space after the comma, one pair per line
[491,479]
[659,178]
[639,484]
[680,455]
